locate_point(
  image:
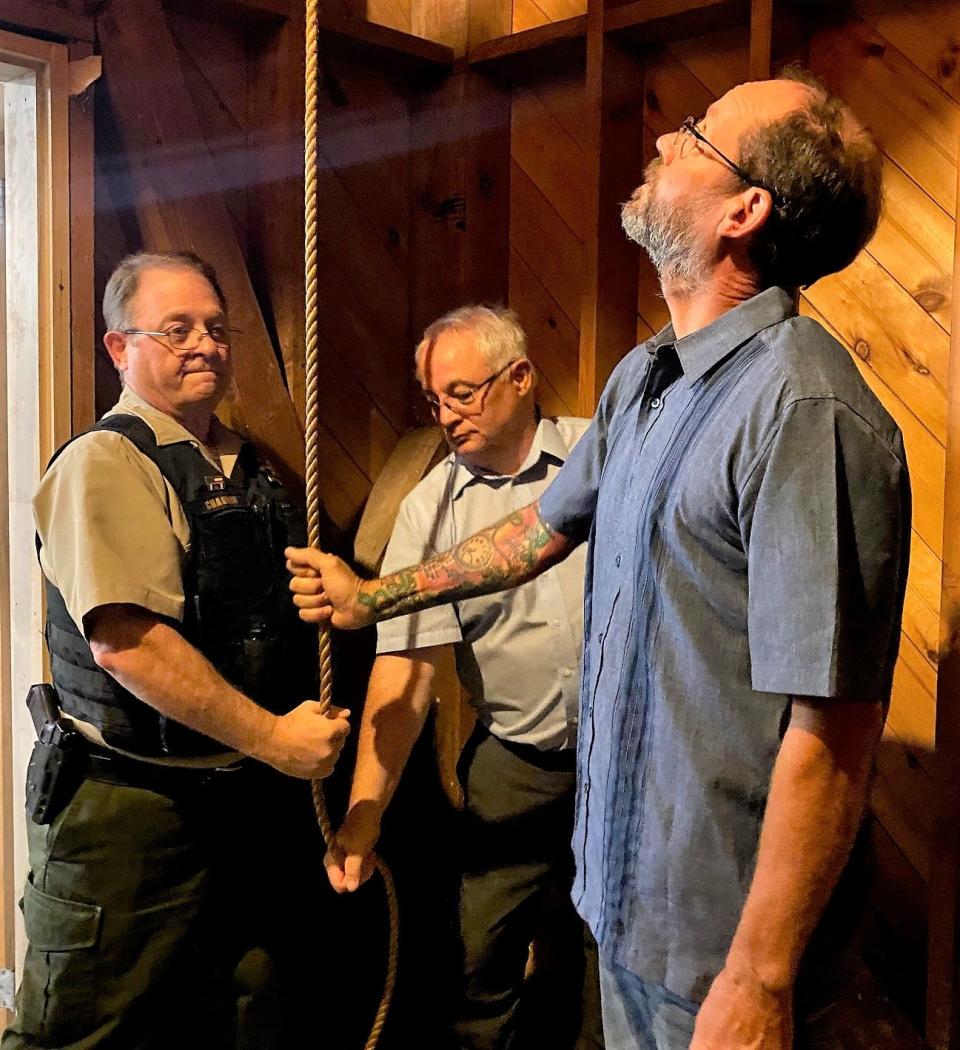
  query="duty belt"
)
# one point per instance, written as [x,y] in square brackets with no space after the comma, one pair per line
[110,768]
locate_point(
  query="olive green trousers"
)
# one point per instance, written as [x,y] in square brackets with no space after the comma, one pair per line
[166,919]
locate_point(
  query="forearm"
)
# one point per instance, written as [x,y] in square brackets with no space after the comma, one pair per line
[396,707]
[157,664]
[507,554]
[817,798]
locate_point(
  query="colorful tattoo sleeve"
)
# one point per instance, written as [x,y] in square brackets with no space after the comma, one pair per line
[505,555]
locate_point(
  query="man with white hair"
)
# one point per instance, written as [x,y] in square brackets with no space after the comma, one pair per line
[746,503]
[518,657]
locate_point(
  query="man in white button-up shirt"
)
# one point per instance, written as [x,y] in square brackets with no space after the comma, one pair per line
[518,658]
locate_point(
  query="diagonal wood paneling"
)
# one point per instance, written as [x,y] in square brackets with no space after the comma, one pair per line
[530,13]
[915,122]
[548,211]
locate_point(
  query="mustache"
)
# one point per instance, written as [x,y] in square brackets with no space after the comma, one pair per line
[650,175]
[203,366]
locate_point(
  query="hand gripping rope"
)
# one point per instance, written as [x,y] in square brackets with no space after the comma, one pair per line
[313,479]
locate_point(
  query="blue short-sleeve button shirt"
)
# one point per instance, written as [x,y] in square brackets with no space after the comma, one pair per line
[747,507]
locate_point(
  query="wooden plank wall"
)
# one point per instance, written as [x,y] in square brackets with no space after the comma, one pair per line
[255,137]
[891,308]
[549,166]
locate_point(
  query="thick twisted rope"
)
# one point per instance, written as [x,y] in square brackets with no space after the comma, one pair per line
[313,479]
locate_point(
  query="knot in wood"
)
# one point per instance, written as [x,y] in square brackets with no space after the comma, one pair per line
[876,48]
[915,363]
[930,299]
[453,209]
[652,101]
[862,349]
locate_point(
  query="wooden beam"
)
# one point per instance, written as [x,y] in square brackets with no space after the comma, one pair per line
[254,11]
[638,24]
[761,38]
[447,22]
[36,16]
[82,306]
[549,45]
[460,143]
[179,206]
[388,48]
[646,22]
[275,137]
[485,19]
[608,314]
[943,986]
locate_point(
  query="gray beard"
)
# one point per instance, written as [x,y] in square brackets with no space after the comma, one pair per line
[669,237]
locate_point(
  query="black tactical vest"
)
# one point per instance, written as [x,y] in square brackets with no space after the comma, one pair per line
[238,613]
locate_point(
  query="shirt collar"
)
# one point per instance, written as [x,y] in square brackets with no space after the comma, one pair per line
[701,350]
[547,441]
[166,429]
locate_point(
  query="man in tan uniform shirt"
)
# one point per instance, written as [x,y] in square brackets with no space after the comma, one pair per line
[156,908]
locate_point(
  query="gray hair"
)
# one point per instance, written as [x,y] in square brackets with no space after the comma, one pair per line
[125,280]
[827,171]
[500,338]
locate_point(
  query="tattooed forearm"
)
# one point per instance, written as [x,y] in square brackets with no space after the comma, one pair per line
[505,555]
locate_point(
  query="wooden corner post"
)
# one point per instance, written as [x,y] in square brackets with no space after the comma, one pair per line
[614,102]
[943,987]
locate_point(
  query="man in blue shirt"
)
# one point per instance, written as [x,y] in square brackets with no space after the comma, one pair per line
[747,507]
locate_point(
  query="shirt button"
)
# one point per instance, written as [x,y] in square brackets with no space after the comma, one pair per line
[656,402]
[556,623]
[567,672]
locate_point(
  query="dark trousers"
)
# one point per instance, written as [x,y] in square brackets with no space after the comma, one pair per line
[166,919]
[515,890]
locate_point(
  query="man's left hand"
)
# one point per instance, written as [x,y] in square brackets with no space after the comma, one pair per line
[741,1013]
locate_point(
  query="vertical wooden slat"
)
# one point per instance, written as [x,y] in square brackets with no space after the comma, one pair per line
[943,1031]
[275,114]
[8,812]
[614,104]
[460,142]
[486,19]
[761,37]
[460,173]
[82,306]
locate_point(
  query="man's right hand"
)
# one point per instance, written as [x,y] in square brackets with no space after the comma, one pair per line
[350,860]
[326,590]
[307,741]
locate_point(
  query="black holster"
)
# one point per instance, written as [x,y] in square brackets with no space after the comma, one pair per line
[58,759]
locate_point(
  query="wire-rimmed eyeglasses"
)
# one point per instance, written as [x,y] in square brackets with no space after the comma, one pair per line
[180,339]
[689,126]
[469,400]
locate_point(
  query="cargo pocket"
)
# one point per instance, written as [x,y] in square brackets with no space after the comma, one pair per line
[57,1001]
